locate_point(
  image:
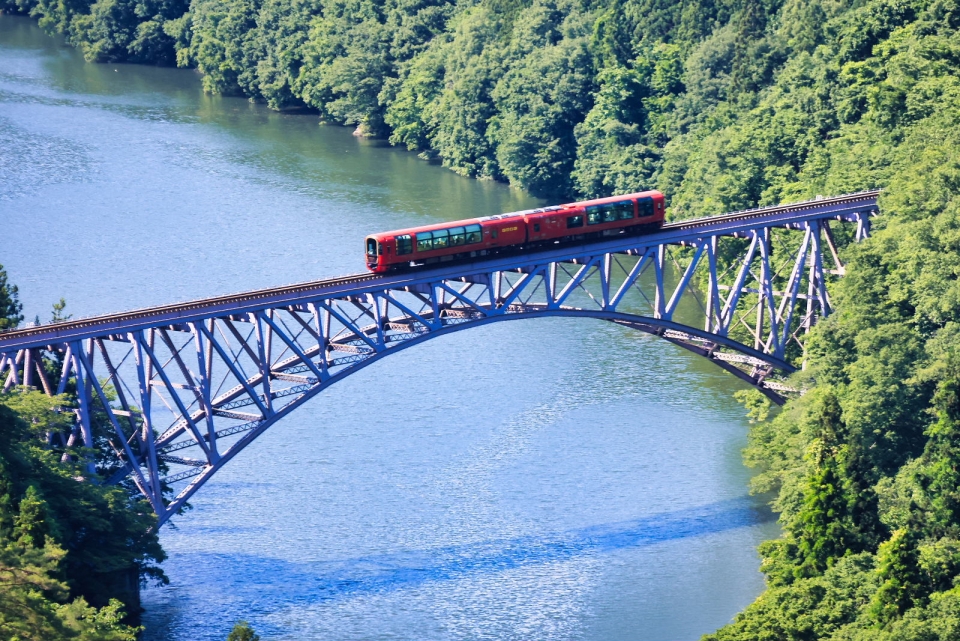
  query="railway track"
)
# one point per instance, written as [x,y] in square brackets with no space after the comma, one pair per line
[762,212]
[201,303]
[228,301]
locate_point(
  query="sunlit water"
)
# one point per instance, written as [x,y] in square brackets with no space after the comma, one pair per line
[545,479]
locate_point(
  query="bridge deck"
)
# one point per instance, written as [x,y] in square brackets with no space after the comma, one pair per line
[844,207]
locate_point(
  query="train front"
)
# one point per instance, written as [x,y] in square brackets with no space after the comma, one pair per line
[374,255]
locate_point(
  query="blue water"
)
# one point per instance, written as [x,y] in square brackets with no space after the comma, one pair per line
[546,479]
[250,579]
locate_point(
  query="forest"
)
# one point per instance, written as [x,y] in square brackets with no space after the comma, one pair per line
[73,552]
[722,105]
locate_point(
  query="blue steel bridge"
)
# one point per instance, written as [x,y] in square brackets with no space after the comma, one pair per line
[186,387]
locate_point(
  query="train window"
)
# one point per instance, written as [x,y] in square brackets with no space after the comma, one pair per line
[624,210]
[404,245]
[440,239]
[457,237]
[424,242]
[574,221]
[646,207]
[474,234]
[371,247]
[594,215]
[610,213]
[536,226]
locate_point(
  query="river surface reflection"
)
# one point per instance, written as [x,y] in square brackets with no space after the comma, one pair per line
[550,479]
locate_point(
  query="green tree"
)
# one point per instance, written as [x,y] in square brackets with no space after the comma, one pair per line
[109,535]
[10,306]
[242,632]
[34,605]
[223,32]
[539,102]
[47,568]
[58,308]
[346,62]
[901,581]
[820,527]
[612,155]
[938,476]
[459,117]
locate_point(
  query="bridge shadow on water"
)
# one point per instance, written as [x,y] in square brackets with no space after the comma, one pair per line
[263,585]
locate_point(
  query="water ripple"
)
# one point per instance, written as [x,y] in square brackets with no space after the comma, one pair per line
[263,585]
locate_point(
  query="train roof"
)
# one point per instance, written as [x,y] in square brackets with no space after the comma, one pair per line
[516,214]
[615,199]
[422,228]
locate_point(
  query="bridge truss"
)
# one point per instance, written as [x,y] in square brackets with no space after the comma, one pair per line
[177,391]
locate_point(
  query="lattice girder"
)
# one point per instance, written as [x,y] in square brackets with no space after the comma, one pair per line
[183,389]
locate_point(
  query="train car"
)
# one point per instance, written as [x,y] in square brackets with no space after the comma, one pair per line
[516,231]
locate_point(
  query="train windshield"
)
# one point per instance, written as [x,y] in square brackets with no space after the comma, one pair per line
[645,206]
[371,247]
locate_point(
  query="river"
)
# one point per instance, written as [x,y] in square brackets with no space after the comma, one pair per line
[550,479]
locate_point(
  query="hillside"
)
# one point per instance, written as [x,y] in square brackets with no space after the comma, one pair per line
[721,105]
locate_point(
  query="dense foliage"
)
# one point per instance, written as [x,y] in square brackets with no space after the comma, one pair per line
[242,632]
[10,306]
[72,551]
[866,465]
[722,104]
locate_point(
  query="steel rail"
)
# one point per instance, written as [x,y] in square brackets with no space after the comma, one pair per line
[231,303]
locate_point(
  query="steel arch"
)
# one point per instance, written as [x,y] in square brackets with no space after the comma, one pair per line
[640,323]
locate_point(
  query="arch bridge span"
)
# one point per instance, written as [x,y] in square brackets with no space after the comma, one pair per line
[183,388]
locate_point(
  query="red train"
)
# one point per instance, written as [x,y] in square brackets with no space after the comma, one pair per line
[419,246]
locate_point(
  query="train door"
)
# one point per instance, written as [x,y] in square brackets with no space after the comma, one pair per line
[373,252]
[553,227]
